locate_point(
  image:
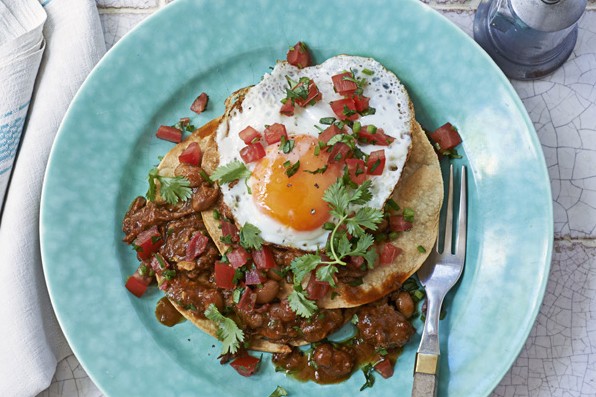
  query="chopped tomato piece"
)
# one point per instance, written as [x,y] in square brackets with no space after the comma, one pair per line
[248,300]
[397,223]
[224,275]
[356,262]
[316,289]
[249,135]
[344,84]
[376,162]
[344,109]
[136,286]
[147,243]
[314,95]
[138,282]
[196,246]
[361,103]
[159,264]
[238,257]
[263,258]
[229,229]
[199,104]
[254,277]
[388,253]
[374,136]
[329,133]
[252,152]
[246,365]
[356,170]
[168,133]
[339,153]
[274,132]
[299,55]
[446,137]
[287,109]
[384,368]
[192,154]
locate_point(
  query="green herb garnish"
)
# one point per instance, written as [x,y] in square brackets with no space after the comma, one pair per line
[250,237]
[228,331]
[230,172]
[172,189]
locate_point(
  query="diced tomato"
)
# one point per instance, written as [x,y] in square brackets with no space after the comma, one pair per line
[238,257]
[263,258]
[344,109]
[314,95]
[287,109]
[344,84]
[316,289]
[196,246]
[376,162]
[136,286]
[374,136]
[397,223]
[253,152]
[147,243]
[299,55]
[229,229]
[137,283]
[199,104]
[388,253]
[254,277]
[158,263]
[339,153]
[224,275]
[356,170]
[329,133]
[248,300]
[361,102]
[249,135]
[384,368]
[168,133]
[246,365]
[192,154]
[274,132]
[446,136]
[356,262]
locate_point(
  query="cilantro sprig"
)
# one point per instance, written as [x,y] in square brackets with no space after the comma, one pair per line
[172,189]
[228,331]
[230,172]
[250,237]
[353,218]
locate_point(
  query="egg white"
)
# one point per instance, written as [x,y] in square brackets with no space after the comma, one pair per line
[261,106]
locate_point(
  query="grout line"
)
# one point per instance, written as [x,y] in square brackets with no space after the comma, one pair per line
[586,242]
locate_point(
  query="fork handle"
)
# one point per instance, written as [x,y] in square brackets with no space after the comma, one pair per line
[425,375]
[425,385]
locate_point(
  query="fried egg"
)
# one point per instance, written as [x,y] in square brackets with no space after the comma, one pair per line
[290,211]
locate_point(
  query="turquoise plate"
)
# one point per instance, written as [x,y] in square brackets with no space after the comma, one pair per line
[106,146]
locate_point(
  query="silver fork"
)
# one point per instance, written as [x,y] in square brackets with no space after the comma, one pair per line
[438,275]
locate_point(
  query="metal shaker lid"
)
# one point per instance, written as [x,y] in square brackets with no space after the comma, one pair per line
[549,15]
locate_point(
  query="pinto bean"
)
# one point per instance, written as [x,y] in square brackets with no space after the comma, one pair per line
[405,304]
[267,292]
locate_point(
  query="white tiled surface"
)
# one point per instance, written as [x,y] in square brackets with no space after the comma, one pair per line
[559,358]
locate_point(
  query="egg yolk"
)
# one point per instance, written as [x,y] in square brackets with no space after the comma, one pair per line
[295,201]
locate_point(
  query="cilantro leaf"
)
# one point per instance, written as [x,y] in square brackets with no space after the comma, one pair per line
[325,273]
[362,194]
[303,265]
[172,189]
[370,257]
[228,332]
[338,197]
[250,237]
[301,305]
[230,172]
[365,217]
[279,392]
[362,245]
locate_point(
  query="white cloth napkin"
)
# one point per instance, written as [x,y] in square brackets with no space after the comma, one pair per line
[31,342]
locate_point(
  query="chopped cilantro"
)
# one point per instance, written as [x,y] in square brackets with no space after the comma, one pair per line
[230,172]
[300,304]
[279,392]
[172,189]
[250,237]
[227,330]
